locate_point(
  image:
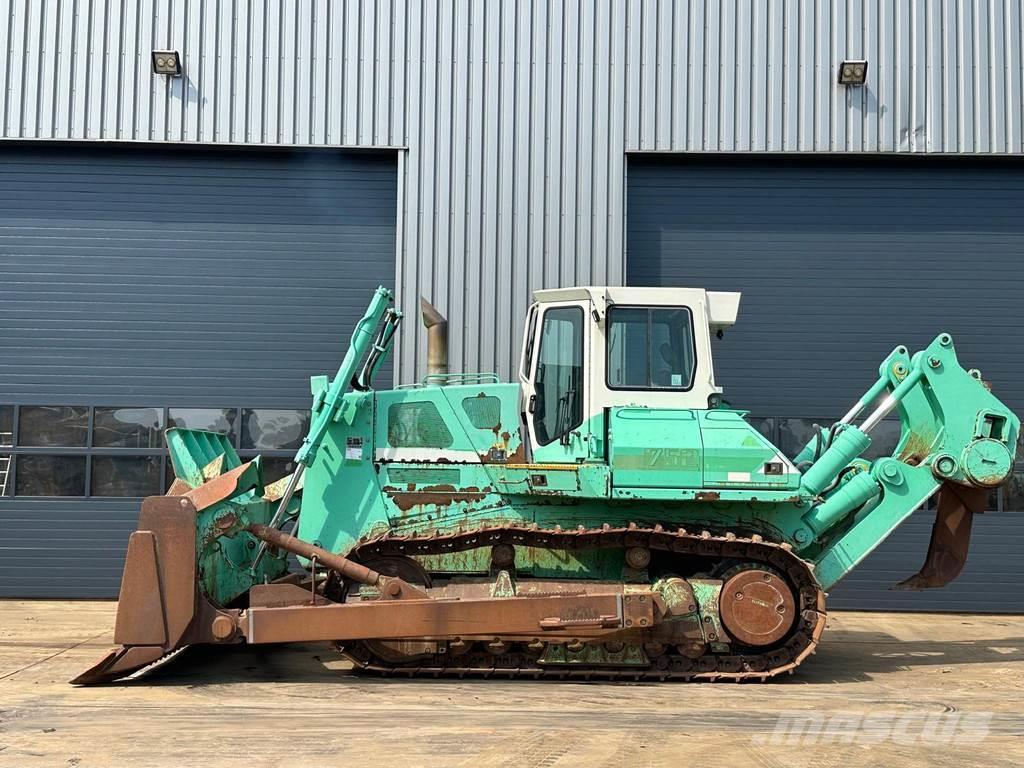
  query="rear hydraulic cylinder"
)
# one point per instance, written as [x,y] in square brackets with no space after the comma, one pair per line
[847,445]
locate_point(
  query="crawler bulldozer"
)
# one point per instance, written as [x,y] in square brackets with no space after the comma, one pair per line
[607,516]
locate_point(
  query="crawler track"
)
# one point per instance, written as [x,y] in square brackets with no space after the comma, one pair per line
[737,664]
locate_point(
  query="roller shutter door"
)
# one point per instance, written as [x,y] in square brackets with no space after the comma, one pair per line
[139,285]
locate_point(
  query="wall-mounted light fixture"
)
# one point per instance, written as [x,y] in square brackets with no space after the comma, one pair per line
[853,72]
[167,63]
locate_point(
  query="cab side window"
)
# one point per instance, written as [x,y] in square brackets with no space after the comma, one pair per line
[558,402]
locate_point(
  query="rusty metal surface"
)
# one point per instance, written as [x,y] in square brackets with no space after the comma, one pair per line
[275,490]
[344,566]
[652,636]
[686,659]
[119,662]
[951,537]
[178,488]
[221,487]
[158,598]
[442,495]
[140,608]
[589,615]
[284,594]
[757,607]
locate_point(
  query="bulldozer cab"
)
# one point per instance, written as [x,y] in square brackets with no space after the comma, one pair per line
[588,350]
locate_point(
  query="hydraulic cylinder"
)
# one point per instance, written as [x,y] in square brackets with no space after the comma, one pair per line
[847,445]
[846,498]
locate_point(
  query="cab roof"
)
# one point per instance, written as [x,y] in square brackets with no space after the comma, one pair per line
[722,306]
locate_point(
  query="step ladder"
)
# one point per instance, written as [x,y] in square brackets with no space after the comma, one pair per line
[6,439]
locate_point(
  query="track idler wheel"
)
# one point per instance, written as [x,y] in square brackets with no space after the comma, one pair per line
[757,607]
[400,651]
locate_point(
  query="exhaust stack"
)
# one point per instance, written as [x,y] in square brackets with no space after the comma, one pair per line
[437,340]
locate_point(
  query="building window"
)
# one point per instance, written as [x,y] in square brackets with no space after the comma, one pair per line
[273,429]
[650,348]
[1013,492]
[276,467]
[125,475]
[795,433]
[53,426]
[6,484]
[6,426]
[128,428]
[118,451]
[766,426]
[49,475]
[223,420]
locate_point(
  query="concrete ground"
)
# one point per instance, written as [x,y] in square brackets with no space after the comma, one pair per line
[936,690]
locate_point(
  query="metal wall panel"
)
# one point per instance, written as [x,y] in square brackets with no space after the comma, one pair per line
[61,548]
[184,277]
[840,261]
[155,276]
[516,115]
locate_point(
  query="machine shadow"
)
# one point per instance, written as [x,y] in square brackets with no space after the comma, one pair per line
[850,657]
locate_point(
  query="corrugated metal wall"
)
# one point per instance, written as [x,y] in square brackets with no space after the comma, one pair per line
[171,276]
[517,115]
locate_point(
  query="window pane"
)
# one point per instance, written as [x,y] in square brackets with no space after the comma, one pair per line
[671,348]
[765,425]
[267,429]
[6,488]
[531,326]
[627,348]
[221,420]
[276,468]
[1013,492]
[53,425]
[650,348]
[127,427]
[559,404]
[50,476]
[125,475]
[7,425]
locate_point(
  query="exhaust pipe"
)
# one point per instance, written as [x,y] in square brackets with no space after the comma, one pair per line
[437,340]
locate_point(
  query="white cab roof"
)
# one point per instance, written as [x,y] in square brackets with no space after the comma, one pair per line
[722,306]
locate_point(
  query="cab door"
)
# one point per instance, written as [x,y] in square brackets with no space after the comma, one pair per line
[555,391]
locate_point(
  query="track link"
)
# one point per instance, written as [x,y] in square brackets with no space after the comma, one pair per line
[738,665]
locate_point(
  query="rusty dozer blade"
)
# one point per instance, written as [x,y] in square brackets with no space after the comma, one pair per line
[951,537]
[158,595]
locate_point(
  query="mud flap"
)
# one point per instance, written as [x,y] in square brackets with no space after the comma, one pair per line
[157,601]
[951,537]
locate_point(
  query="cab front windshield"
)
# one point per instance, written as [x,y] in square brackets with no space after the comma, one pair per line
[650,348]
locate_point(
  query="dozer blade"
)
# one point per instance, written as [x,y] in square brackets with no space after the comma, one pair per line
[951,537]
[157,601]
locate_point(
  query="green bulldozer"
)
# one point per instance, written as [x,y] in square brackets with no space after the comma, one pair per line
[608,515]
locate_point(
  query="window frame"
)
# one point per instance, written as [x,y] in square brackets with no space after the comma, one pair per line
[538,349]
[529,341]
[608,351]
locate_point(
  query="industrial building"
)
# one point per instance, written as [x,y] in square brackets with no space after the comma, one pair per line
[196,200]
